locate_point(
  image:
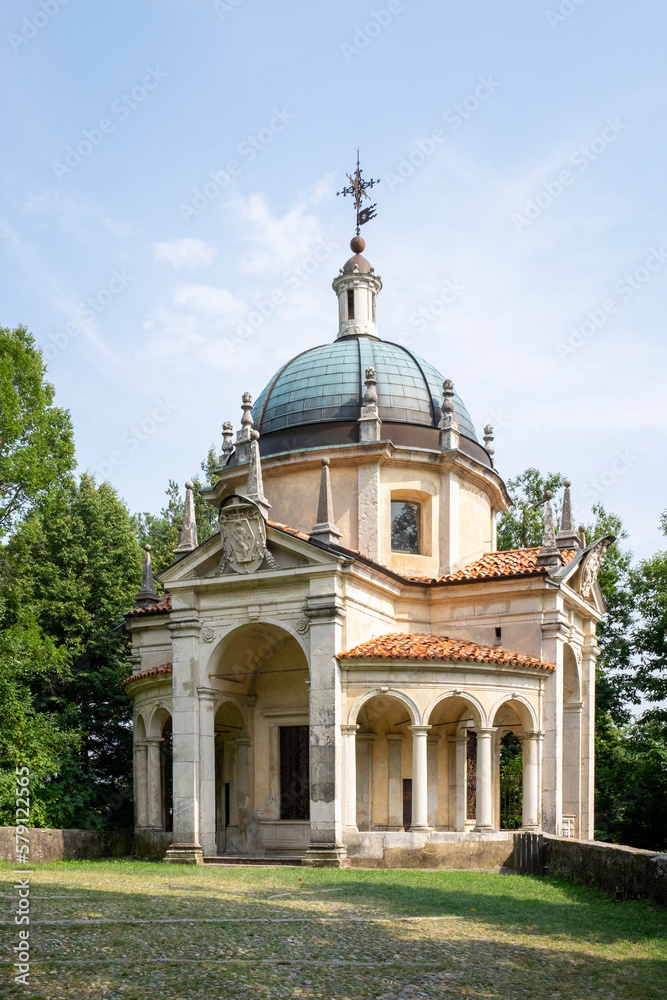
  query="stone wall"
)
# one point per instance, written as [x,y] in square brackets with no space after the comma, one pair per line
[434,850]
[151,845]
[66,845]
[626,872]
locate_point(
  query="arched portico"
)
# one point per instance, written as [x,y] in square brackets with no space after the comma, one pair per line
[572,740]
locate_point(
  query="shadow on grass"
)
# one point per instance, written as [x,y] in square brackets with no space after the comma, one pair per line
[488,953]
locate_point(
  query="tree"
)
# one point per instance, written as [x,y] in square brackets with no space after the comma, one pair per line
[36,442]
[519,526]
[73,567]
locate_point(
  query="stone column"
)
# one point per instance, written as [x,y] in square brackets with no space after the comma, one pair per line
[207,838]
[154,784]
[531,781]
[484,803]
[324,610]
[395,781]
[456,757]
[590,653]
[242,792]
[364,747]
[554,633]
[185,848]
[432,784]
[350,755]
[141,770]
[419,777]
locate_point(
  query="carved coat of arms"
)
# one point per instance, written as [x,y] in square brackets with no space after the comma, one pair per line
[591,567]
[243,533]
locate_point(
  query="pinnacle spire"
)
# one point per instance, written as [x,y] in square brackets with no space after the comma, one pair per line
[187,538]
[369,421]
[567,537]
[255,490]
[146,595]
[449,425]
[325,530]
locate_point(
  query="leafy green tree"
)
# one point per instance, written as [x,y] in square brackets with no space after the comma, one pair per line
[36,443]
[72,568]
[520,527]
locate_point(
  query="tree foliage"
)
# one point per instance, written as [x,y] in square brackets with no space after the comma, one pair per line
[520,527]
[36,441]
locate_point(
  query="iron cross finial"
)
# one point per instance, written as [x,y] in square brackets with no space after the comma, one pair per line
[357,189]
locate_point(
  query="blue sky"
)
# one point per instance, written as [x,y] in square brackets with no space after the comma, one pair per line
[169,165]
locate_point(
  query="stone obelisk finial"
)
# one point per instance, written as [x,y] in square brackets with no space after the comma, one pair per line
[146,595]
[369,421]
[255,490]
[227,445]
[325,530]
[187,539]
[449,425]
[489,445]
[549,555]
[243,437]
[567,537]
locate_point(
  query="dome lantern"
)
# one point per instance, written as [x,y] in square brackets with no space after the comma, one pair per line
[357,286]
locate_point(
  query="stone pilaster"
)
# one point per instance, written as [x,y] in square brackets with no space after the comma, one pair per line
[531,750]
[154,784]
[326,834]
[589,657]
[350,755]
[554,633]
[207,838]
[141,785]
[395,781]
[186,847]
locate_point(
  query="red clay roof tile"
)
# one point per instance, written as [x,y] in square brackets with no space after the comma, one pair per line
[162,605]
[411,646]
[166,668]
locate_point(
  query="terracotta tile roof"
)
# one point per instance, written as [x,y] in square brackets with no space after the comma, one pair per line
[411,646]
[162,605]
[493,565]
[166,668]
[288,530]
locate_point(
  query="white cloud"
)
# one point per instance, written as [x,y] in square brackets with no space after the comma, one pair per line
[186,252]
[208,300]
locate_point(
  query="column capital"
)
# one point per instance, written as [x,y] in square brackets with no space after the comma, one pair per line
[365,737]
[152,741]
[394,737]
[349,730]
[419,730]
[185,628]
[484,731]
[207,694]
[533,734]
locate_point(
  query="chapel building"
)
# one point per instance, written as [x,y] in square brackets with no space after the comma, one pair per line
[349,672]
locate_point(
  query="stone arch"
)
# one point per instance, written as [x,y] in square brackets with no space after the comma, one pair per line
[415,715]
[571,675]
[522,708]
[465,700]
[139,727]
[158,716]
[272,627]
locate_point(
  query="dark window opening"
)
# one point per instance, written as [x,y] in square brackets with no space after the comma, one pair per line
[499,634]
[471,776]
[511,782]
[167,776]
[350,303]
[407,803]
[374,308]
[294,772]
[404,526]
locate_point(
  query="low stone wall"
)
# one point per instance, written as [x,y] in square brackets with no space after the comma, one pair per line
[624,871]
[151,845]
[66,845]
[436,850]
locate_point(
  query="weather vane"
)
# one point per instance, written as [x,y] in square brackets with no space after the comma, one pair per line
[357,189]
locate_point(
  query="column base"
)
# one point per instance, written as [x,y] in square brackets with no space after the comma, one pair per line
[325,856]
[484,829]
[185,854]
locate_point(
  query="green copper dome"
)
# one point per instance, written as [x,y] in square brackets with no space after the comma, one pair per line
[325,385]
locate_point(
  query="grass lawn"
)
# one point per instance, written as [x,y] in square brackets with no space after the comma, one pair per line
[134,930]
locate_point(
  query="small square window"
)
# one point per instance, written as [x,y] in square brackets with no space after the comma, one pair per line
[405,526]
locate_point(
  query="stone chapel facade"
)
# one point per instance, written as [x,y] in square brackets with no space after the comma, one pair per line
[334,675]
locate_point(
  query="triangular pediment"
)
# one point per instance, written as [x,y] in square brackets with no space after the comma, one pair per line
[581,574]
[285,550]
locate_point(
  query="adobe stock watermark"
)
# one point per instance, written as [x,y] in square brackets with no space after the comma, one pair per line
[597,486]
[625,288]
[136,435]
[267,305]
[580,159]
[31,26]
[455,116]
[121,107]
[364,35]
[565,10]
[248,150]
[87,310]
[224,7]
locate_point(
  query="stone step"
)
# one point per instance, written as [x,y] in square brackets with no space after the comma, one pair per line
[226,860]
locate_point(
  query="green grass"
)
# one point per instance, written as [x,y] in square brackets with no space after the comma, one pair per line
[133,930]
